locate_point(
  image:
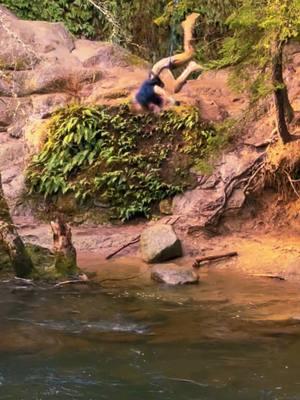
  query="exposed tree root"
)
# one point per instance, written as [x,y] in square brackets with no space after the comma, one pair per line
[249,181]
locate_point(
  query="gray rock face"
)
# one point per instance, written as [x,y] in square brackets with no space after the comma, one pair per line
[43,67]
[221,192]
[160,243]
[172,274]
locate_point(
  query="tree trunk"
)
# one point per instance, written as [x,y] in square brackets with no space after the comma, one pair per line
[289,111]
[280,94]
[64,250]
[21,262]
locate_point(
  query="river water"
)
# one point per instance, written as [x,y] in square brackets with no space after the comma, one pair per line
[228,338]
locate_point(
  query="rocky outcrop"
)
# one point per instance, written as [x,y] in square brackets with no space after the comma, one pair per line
[222,192]
[213,96]
[159,243]
[43,67]
[172,274]
[236,173]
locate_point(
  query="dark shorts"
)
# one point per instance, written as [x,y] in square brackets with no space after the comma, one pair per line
[146,95]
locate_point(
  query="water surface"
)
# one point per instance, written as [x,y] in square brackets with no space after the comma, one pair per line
[228,338]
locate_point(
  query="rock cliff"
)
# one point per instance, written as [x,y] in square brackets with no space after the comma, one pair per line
[43,67]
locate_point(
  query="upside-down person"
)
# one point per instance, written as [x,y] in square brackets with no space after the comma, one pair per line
[151,95]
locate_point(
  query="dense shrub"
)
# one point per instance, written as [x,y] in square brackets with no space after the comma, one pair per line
[80,17]
[113,156]
[135,21]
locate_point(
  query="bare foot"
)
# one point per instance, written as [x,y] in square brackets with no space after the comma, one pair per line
[193,66]
[190,20]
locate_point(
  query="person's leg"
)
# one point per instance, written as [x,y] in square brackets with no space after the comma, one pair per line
[154,108]
[189,51]
[181,80]
[164,96]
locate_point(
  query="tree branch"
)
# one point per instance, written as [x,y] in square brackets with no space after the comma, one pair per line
[199,260]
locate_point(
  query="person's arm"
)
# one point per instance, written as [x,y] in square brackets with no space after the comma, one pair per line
[161,92]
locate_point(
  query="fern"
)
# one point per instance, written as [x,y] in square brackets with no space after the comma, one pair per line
[118,157]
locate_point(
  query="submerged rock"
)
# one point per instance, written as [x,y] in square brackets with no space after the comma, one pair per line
[159,243]
[172,274]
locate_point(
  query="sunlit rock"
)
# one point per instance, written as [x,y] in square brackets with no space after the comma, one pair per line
[159,243]
[172,274]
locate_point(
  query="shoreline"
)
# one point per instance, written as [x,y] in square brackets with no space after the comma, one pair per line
[261,252]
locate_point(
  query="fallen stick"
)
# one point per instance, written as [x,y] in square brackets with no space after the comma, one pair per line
[82,279]
[24,281]
[60,284]
[133,241]
[199,260]
[271,276]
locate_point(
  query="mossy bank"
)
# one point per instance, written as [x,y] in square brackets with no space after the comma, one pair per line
[119,161]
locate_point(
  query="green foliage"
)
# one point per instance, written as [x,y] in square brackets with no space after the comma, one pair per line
[215,143]
[257,27]
[5,262]
[79,16]
[139,33]
[131,22]
[113,156]
[211,11]
[128,23]
[211,25]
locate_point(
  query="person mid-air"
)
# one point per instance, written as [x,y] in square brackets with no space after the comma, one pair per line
[151,95]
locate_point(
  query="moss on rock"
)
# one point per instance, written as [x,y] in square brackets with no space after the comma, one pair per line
[5,263]
[42,259]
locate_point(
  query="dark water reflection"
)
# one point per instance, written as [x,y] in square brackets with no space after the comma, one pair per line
[229,338]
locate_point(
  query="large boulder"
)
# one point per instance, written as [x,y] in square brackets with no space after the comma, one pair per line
[172,274]
[44,67]
[109,55]
[50,78]
[219,193]
[14,53]
[26,43]
[159,243]
[45,104]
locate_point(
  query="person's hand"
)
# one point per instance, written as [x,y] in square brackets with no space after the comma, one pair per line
[173,102]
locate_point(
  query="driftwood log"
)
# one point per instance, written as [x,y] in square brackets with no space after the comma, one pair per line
[270,276]
[199,260]
[20,260]
[63,248]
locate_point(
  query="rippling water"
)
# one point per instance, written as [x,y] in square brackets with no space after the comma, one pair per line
[229,338]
